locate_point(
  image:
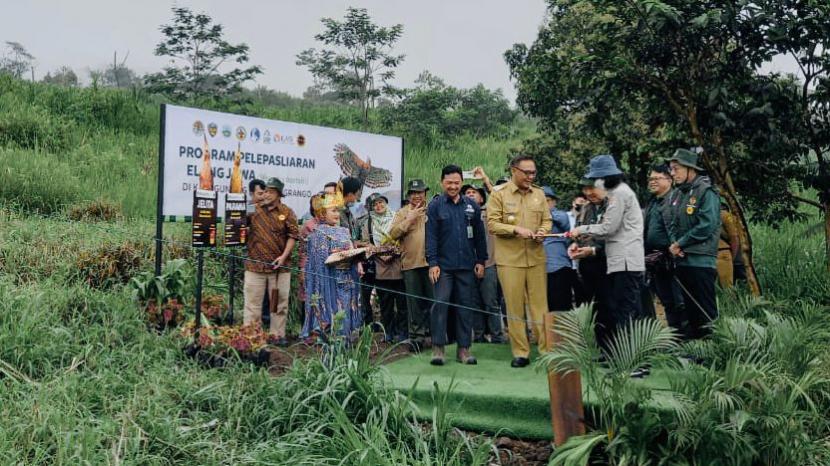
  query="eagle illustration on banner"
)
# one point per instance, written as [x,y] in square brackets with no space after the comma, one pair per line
[352,165]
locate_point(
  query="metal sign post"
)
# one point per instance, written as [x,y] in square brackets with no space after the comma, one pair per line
[236,234]
[203,236]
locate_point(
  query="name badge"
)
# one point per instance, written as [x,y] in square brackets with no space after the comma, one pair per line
[469,232]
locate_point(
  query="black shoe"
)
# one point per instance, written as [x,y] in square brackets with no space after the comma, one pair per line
[437,361]
[464,357]
[520,362]
[640,372]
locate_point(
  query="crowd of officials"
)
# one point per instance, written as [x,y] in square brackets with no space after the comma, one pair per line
[485,263]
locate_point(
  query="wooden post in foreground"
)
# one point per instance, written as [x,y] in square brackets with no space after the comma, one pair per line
[566,411]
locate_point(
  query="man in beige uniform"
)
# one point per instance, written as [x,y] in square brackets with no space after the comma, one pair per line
[409,227]
[516,215]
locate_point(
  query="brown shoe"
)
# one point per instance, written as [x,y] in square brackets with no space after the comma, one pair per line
[464,356]
[437,356]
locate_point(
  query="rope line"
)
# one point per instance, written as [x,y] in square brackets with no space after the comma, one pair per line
[216,252]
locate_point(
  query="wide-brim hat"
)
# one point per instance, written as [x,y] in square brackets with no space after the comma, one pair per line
[275,183]
[549,192]
[686,158]
[416,185]
[480,190]
[602,166]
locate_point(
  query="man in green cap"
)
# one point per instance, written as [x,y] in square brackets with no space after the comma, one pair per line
[272,234]
[409,228]
[694,226]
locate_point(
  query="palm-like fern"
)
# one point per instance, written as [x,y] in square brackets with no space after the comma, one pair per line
[760,398]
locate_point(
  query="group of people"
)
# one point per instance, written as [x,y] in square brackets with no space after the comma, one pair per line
[461,265]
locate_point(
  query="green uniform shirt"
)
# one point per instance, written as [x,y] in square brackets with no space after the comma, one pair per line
[700,225]
[657,235]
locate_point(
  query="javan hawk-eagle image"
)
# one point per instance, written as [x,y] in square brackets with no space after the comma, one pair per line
[352,165]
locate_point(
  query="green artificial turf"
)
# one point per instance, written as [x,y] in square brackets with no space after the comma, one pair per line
[489,397]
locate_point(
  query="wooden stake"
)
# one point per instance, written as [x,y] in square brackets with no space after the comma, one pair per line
[566,410]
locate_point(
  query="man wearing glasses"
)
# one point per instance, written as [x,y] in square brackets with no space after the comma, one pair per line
[517,216]
[659,264]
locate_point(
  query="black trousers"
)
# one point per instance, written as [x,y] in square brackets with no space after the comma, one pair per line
[593,287]
[625,302]
[701,305]
[456,286]
[664,285]
[393,310]
[561,285]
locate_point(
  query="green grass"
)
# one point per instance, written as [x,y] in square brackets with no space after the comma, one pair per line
[490,396]
[83,382]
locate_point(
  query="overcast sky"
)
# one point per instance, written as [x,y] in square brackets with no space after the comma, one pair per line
[461,41]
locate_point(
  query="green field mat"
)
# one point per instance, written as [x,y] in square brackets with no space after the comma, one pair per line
[490,397]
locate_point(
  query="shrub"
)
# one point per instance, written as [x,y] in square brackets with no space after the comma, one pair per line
[95,210]
[110,264]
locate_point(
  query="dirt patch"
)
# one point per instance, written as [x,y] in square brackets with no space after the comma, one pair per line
[514,452]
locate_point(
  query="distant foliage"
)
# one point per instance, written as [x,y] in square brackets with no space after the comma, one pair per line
[63,76]
[434,112]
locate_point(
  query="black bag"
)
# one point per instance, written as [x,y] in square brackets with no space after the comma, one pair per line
[659,261]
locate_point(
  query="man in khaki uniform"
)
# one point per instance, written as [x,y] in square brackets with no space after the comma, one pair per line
[409,227]
[729,245]
[516,216]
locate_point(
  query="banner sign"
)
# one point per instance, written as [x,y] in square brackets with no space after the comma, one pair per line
[204,218]
[241,148]
[236,219]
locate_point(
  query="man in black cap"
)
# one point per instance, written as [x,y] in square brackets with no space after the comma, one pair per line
[409,228]
[273,232]
[694,229]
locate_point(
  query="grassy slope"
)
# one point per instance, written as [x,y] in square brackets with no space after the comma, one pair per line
[63,145]
[80,377]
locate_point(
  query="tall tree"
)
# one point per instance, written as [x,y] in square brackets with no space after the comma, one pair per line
[433,111]
[198,54]
[801,30]
[357,61]
[690,63]
[17,61]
